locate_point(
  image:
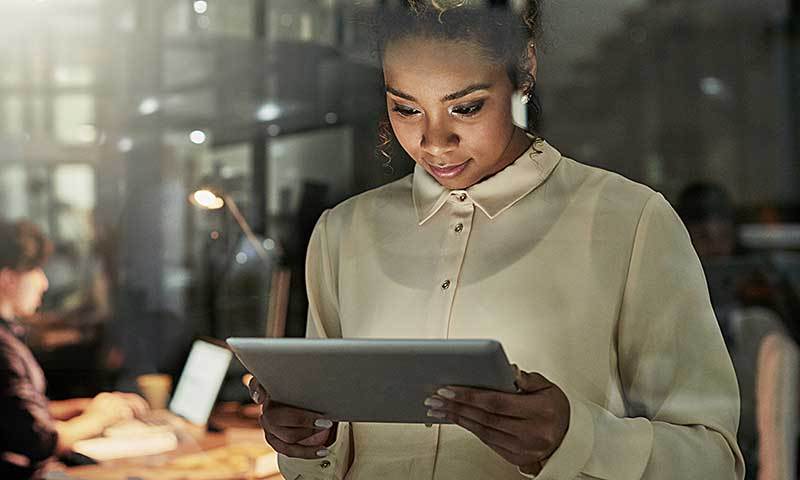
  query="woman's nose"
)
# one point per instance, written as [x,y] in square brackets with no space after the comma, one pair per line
[45,282]
[438,140]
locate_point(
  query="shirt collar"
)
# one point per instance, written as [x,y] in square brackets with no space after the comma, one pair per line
[13,326]
[495,194]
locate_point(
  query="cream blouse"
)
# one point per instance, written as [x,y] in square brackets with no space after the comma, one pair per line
[584,276]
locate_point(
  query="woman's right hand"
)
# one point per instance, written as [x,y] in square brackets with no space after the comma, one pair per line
[291,431]
[110,408]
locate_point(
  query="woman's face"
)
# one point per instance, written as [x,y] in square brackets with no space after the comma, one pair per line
[450,109]
[23,290]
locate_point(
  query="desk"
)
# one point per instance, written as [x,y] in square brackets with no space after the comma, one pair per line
[238,435]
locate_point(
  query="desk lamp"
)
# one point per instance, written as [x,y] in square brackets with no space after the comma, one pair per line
[212,199]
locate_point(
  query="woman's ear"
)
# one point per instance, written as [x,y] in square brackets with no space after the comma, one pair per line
[8,280]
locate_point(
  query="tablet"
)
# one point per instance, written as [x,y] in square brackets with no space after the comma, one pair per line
[370,380]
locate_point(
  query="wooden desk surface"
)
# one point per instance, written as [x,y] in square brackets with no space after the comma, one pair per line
[200,455]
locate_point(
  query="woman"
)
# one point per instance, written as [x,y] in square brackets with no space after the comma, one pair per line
[587,279]
[34,430]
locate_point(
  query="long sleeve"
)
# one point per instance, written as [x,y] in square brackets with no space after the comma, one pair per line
[675,374]
[323,322]
[27,435]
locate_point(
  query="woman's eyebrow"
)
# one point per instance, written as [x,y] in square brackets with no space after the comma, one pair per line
[447,98]
[398,93]
[466,91]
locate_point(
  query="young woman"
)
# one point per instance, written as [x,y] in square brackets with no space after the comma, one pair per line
[34,430]
[588,280]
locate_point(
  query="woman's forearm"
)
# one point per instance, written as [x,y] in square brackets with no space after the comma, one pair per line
[77,429]
[64,410]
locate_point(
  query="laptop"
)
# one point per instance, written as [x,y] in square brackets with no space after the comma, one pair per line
[192,401]
[200,382]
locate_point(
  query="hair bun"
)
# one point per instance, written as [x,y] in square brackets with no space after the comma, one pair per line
[439,5]
[444,5]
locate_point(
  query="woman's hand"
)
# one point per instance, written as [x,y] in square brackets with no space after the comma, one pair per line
[524,428]
[101,412]
[110,408]
[292,431]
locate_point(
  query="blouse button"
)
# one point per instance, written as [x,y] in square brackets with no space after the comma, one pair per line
[446,285]
[459,228]
[325,464]
[461,197]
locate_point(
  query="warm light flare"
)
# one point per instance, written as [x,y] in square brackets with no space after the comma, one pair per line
[208,199]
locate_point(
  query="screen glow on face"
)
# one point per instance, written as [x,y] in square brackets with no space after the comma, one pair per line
[28,292]
[450,109]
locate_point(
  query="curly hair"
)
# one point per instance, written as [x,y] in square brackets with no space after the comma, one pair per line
[23,246]
[506,37]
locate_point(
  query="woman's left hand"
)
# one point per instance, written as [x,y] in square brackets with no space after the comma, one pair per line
[525,428]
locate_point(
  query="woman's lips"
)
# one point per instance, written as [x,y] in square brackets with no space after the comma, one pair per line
[449,171]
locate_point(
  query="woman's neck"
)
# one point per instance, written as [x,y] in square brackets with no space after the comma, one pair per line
[518,144]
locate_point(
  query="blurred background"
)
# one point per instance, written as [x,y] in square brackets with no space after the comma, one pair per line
[113,113]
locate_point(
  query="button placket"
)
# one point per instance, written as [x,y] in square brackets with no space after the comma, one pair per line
[458,212]
[461,211]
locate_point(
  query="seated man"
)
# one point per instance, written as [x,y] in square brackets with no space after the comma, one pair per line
[32,429]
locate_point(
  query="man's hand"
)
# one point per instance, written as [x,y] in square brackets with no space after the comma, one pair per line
[524,428]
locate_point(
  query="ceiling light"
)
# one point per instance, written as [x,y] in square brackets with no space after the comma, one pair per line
[198,137]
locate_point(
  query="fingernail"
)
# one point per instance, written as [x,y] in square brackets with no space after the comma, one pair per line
[323,453]
[448,394]
[322,423]
[436,414]
[256,396]
[434,403]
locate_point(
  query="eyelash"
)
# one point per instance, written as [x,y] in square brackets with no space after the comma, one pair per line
[469,110]
[463,111]
[404,111]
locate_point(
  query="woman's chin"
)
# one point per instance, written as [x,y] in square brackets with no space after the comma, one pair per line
[461,180]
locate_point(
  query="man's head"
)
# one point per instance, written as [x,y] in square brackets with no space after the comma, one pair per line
[23,251]
[710,217]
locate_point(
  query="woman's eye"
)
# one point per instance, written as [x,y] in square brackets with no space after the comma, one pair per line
[468,110]
[404,111]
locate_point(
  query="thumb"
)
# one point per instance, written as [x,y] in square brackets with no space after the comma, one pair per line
[532,382]
[317,439]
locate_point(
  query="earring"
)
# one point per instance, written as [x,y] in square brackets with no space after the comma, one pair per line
[528,92]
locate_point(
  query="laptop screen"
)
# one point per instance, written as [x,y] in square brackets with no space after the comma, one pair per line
[200,382]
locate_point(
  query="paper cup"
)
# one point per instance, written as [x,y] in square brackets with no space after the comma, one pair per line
[155,388]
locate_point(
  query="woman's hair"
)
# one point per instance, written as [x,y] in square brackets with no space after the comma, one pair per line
[23,246]
[505,37]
